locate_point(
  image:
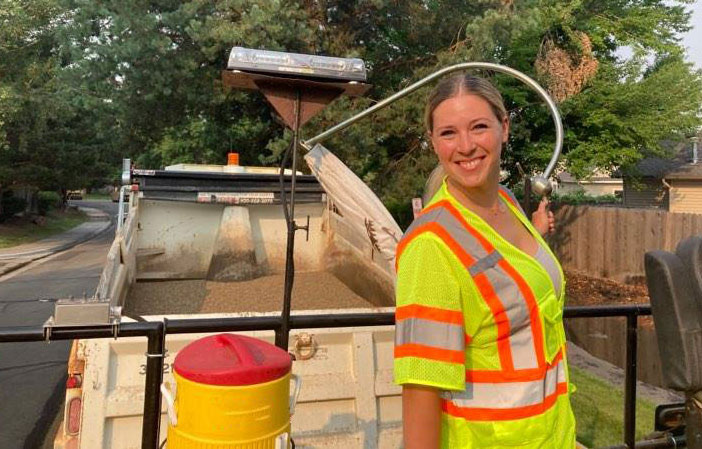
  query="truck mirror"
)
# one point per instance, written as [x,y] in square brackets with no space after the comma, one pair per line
[677,314]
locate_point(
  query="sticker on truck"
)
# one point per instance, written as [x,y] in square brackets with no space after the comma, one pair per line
[236,197]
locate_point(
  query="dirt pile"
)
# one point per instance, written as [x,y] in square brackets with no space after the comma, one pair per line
[584,290]
[313,290]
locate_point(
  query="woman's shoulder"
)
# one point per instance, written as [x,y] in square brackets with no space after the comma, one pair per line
[508,195]
[421,241]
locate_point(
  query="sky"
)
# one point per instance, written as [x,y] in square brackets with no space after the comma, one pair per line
[693,38]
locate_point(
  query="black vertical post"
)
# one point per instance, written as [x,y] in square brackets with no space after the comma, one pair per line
[281,336]
[630,381]
[527,197]
[151,425]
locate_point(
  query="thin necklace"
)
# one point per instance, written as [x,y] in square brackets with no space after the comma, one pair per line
[498,208]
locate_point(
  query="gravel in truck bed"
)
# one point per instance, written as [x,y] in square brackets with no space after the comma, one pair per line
[313,290]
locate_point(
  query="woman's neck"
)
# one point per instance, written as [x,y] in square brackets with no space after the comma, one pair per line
[482,200]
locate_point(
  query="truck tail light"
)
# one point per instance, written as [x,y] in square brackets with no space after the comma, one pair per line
[74,381]
[73,418]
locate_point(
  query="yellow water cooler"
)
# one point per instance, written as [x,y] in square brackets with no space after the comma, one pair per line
[231,392]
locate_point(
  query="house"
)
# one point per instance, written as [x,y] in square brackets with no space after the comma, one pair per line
[672,184]
[598,184]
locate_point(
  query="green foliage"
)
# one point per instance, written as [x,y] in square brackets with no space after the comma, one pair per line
[580,197]
[47,201]
[11,205]
[84,83]
[22,231]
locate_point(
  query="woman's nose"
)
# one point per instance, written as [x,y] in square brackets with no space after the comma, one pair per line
[466,143]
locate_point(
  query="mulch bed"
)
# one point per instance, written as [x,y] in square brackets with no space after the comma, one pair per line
[584,290]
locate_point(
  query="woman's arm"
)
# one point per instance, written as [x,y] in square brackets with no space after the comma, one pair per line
[421,417]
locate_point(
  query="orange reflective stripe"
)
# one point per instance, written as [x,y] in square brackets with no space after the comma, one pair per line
[532,306]
[481,281]
[436,205]
[478,236]
[495,414]
[486,288]
[428,352]
[521,375]
[435,228]
[501,320]
[509,198]
[524,288]
[428,313]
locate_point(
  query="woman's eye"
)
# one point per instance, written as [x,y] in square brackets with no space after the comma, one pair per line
[480,126]
[446,133]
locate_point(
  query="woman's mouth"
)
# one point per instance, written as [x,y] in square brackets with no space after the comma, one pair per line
[470,164]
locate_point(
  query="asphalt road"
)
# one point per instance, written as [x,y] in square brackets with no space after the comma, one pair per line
[32,375]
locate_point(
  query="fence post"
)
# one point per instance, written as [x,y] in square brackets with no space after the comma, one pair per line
[527,197]
[630,381]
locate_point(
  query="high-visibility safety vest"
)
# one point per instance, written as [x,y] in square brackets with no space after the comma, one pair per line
[480,320]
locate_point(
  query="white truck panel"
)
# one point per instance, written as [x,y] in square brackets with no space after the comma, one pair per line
[347,398]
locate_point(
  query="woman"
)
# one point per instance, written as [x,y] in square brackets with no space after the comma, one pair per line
[480,345]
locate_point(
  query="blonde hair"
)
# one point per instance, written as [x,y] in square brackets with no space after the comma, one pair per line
[453,86]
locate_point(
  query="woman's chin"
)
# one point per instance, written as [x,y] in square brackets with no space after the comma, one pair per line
[474,181]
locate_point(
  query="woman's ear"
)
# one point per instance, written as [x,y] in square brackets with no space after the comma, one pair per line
[430,141]
[505,130]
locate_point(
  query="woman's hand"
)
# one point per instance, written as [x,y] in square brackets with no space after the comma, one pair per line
[421,417]
[543,219]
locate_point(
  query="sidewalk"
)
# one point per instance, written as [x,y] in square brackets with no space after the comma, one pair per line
[18,256]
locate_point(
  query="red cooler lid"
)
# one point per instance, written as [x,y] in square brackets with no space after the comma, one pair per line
[227,359]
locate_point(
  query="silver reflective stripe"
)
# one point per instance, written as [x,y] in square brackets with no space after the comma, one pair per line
[430,333]
[486,262]
[513,198]
[544,258]
[426,217]
[460,234]
[454,228]
[521,340]
[508,395]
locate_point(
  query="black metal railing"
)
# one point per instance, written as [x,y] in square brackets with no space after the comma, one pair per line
[155,331]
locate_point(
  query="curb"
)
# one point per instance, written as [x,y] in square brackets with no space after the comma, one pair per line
[15,261]
[12,265]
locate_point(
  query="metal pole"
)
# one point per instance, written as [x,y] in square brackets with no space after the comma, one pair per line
[555,115]
[630,381]
[281,336]
[121,208]
[152,393]
[693,420]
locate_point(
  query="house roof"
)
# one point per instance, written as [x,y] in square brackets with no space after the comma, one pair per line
[687,171]
[679,166]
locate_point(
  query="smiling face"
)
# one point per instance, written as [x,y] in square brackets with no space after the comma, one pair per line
[467,137]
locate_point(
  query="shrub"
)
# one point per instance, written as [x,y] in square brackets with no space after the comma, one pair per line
[48,201]
[12,205]
[580,197]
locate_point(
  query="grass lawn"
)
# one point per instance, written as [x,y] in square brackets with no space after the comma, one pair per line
[599,411]
[97,197]
[19,231]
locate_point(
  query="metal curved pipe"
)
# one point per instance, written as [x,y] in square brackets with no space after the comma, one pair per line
[540,184]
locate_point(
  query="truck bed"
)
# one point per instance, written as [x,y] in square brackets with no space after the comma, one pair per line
[311,291]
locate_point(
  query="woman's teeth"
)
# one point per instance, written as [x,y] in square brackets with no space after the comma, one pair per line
[469,165]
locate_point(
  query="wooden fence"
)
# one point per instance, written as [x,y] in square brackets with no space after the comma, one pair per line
[610,242]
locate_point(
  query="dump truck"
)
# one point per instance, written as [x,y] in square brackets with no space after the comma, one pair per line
[210,241]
